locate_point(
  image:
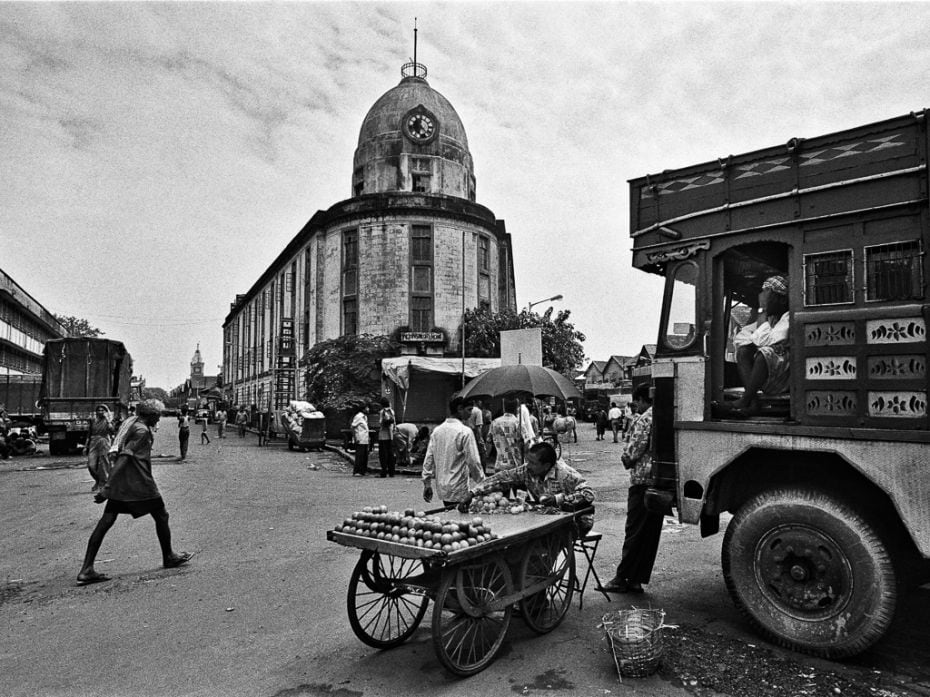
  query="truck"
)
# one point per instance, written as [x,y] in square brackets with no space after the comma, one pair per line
[823,491]
[77,375]
[19,394]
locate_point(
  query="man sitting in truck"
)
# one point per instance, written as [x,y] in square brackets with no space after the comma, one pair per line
[762,357]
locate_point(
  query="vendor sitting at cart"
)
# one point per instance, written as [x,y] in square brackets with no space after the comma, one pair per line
[549,482]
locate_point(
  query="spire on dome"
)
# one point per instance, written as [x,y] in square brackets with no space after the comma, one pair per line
[414,69]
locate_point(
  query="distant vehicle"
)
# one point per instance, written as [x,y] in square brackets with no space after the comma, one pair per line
[203,414]
[77,375]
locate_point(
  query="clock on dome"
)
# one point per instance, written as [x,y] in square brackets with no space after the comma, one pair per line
[420,126]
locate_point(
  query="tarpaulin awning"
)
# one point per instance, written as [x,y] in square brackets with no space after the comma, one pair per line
[397,369]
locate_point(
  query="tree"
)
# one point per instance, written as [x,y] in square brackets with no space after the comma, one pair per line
[346,372]
[78,327]
[155,393]
[561,343]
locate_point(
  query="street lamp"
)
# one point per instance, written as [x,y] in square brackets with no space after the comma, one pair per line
[540,302]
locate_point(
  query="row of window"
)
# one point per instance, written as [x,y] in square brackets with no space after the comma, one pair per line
[891,272]
[421,278]
[14,316]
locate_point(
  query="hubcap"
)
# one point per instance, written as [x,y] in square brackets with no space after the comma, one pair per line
[804,571]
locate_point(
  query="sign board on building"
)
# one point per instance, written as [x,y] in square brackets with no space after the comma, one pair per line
[521,347]
[422,337]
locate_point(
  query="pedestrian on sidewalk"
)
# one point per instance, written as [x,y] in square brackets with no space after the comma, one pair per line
[204,436]
[220,418]
[359,428]
[600,423]
[242,420]
[184,432]
[616,420]
[99,436]
[386,438]
[643,527]
[264,425]
[131,489]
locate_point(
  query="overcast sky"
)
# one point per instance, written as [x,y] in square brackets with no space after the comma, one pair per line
[155,158]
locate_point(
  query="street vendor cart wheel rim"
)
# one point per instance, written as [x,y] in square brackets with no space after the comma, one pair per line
[547,560]
[469,619]
[385,606]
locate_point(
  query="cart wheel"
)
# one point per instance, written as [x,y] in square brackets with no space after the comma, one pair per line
[549,558]
[468,626]
[383,610]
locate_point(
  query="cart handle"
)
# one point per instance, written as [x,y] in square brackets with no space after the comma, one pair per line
[441,510]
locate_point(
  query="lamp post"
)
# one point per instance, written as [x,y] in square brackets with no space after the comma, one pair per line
[529,307]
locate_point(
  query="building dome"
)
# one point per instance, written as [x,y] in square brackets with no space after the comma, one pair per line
[412,139]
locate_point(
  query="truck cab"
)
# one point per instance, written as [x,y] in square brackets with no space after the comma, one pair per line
[824,482]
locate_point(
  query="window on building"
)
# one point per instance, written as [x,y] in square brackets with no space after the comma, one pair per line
[350,282]
[828,278]
[358,181]
[502,269]
[421,278]
[484,272]
[893,271]
[421,174]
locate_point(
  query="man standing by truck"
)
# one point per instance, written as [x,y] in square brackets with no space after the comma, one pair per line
[131,489]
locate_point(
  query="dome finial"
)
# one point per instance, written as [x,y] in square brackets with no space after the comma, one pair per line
[413,69]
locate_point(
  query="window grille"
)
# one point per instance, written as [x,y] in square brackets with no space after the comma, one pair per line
[828,278]
[421,183]
[421,314]
[350,316]
[893,271]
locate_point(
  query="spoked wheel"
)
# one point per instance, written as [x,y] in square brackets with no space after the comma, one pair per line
[384,609]
[469,619]
[551,560]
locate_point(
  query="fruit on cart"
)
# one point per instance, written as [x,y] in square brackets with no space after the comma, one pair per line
[415,529]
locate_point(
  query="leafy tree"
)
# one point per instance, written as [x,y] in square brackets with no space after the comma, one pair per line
[346,372]
[561,343]
[78,327]
[155,393]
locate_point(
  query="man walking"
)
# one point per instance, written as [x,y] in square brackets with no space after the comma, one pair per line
[452,461]
[616,419]
[131,489]
[220,417]
[242,420]
[359,428]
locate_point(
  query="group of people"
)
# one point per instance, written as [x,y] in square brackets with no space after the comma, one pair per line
[453,473]
[402,443]
[22,441]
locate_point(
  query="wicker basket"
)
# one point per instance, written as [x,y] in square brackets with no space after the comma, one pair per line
[635,638]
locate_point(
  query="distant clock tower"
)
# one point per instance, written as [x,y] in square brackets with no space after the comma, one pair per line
[197,370]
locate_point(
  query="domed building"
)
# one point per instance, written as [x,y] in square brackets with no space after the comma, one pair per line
[404,256]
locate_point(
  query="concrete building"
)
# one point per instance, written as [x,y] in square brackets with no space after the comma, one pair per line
[404,256]
[25,326]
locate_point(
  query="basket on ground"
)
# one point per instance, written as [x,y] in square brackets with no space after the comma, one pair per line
[635,638]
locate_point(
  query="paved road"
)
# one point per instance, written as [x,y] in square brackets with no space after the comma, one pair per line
[261,609]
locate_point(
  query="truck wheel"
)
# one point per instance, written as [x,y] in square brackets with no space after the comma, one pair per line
[809,572]
[58,447]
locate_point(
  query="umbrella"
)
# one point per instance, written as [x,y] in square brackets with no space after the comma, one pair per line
[532,379]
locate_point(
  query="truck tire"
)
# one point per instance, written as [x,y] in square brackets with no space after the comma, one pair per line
[810,573]
[57,447]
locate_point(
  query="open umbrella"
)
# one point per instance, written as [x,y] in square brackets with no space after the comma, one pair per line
[528,379]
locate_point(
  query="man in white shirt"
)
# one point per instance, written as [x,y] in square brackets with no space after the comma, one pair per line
[452,462]
[359,428]
[616,419]
[762,348]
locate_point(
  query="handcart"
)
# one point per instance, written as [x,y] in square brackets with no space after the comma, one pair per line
[474,590]
[312,435]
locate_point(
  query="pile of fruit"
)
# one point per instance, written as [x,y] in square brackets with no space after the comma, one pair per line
[416,529]
[496,502]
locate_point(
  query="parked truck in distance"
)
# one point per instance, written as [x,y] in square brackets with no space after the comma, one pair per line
[19,394]
[827,479]
[77,375]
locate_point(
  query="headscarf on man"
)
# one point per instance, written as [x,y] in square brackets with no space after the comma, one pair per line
[776,284]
